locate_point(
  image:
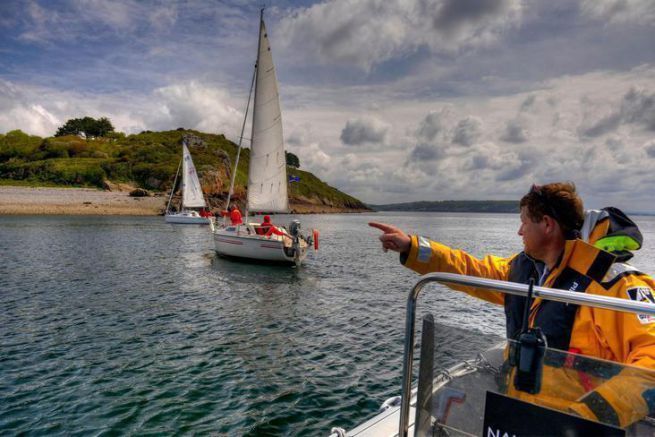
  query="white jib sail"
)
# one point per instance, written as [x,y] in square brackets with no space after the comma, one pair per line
[192,196]
[267,174]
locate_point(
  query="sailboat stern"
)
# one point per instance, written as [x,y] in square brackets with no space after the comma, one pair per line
[243,242]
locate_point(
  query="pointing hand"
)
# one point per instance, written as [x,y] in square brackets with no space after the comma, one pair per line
[393,238]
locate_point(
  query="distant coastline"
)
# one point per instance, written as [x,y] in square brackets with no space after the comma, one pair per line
[489,206]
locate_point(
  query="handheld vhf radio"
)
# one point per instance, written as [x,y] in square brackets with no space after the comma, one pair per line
[527,352]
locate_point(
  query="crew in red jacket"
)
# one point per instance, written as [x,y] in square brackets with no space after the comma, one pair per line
[235,215]
[269,229]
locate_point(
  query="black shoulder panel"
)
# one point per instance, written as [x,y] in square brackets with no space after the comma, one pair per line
[601,265]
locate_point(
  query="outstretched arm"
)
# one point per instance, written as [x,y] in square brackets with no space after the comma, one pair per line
[425,256]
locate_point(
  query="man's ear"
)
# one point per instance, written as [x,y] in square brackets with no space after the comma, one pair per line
[551,224]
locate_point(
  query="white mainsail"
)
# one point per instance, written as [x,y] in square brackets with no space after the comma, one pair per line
[267,174]
[192,196]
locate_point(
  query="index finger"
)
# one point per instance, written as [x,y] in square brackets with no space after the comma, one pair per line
[382,226]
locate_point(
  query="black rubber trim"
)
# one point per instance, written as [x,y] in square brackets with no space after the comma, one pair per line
[601,408]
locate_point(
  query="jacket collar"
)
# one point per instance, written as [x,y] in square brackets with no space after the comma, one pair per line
[586,259]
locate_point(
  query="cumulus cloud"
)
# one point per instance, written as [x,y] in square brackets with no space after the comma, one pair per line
[604,124]
[502,163]
[461,16]
[649,147]
[637,107]
[431,126]
[364,130]
[316,158]
[426,152]
[387,29]
[50,24]
[620,11]
[528,103]
[195,106]
[191,105]
[21,109]
[515,132]
[467,131]
[359,171]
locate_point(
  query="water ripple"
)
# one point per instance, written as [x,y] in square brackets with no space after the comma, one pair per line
[132,326]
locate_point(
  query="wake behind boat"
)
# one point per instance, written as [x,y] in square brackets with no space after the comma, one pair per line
[192,196]
[267,176]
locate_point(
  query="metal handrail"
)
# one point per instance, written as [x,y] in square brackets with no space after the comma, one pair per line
[492,285]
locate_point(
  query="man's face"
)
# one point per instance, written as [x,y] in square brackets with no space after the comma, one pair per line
[533,234]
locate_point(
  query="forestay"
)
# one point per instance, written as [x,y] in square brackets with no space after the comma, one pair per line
[192,196]
[267,175]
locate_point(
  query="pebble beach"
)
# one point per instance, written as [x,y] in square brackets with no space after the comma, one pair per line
[76,201]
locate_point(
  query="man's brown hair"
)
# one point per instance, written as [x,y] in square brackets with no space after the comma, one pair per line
[559,201]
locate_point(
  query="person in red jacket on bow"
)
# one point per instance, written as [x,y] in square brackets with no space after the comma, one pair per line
[235,215]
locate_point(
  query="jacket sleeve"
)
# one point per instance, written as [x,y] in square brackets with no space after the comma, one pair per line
[426,256]
[630,395]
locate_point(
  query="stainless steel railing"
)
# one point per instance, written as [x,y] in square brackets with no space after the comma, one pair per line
[493,285]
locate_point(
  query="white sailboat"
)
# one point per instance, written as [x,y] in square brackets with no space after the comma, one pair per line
[267,176]
[192,196]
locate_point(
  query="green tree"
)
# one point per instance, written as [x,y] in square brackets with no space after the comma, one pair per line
[89,126]
[103,127]
[292,160]
[71,127]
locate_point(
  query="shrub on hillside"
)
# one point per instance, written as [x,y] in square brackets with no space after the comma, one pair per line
[118,171]
[18,144]
[153,176]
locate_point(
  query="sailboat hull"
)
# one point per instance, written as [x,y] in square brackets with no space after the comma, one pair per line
[236,242]
[186,218]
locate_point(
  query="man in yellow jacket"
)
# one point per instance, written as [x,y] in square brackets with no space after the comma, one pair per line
[551,217]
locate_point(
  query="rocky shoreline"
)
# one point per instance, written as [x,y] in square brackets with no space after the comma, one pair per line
[90,201]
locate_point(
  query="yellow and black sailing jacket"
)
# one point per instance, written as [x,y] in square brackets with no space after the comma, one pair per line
[615,336]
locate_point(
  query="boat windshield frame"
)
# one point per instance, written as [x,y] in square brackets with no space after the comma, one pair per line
[493,285]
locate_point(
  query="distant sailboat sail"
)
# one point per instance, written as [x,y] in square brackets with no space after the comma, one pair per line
[267,174]
[192,196]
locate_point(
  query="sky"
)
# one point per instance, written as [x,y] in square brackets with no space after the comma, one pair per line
[387,100]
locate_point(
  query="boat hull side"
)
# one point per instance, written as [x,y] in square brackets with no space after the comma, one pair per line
[249,247]
[187,220]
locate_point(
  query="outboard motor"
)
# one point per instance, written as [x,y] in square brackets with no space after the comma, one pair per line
[294,229]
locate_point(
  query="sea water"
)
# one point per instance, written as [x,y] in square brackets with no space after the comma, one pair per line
[125,325]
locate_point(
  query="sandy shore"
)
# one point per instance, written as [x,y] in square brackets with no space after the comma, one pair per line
[75,201]
[90,201]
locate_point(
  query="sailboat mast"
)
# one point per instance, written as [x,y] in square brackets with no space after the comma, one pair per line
[170,198]
[243,128]
[259,47]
